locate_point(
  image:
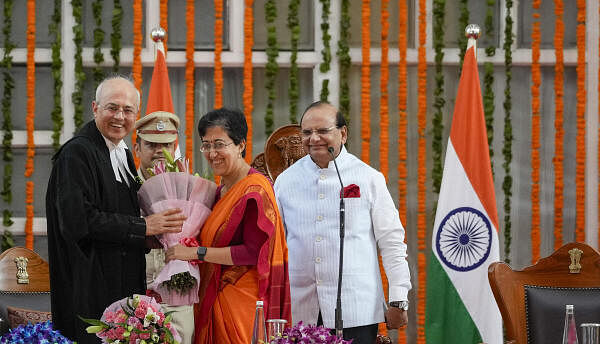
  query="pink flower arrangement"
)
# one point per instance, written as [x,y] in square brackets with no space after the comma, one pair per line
[309,334]
[133,320]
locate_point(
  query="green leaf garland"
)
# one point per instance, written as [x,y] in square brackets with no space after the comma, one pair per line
[77,95]
[325,65]
[271,67]
[439,14]
[463,21]
[508,135]
[294,26]
[115,36]
[9,85]
[98,40]
[56,66]
[488,78]
[343,54]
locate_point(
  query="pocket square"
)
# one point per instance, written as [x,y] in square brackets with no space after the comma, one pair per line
[352,191]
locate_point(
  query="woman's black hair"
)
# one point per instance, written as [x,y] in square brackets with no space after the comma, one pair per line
[232,121]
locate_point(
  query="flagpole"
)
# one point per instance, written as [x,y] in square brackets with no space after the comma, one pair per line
[472,31]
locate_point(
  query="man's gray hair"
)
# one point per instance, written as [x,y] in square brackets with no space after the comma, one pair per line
[114,77]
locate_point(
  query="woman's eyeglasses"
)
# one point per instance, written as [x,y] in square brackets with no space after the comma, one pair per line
[217,146]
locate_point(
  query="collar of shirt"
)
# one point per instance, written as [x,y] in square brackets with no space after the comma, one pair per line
[118,159]
[341,160]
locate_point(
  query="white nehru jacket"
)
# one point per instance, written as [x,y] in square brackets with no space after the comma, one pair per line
[308,198]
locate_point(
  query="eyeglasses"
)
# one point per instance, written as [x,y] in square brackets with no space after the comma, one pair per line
[114,109]
[217,146]
[306,133]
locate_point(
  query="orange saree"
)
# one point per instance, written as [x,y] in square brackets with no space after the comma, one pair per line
[228,294]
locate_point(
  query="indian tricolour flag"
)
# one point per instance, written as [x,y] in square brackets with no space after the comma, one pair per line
[460,304]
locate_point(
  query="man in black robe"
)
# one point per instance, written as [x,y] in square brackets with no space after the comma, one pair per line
[96,237]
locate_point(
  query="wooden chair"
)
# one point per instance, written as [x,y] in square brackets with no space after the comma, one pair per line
[532,301]
[24,287]
[282,148]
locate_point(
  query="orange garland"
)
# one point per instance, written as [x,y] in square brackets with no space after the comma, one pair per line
[402,124]
[248,88]
[422,172]
[558,124]
[189,81]
[30,123]
[384,123]
[218,49]
[599,135]
[164,21]
[136,68]
[365,83]
[383,104]
[536,37]
[580,140]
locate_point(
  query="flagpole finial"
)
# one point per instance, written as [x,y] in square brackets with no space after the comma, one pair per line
[158,34]
[472,31]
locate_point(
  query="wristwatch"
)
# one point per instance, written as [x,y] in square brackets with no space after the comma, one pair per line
[201,253]
[400,304]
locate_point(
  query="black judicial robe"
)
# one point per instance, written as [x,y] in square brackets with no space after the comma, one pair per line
[96,237]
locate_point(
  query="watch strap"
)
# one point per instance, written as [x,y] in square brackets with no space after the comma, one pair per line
[201,252]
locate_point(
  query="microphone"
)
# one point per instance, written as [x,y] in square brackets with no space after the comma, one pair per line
[339,323]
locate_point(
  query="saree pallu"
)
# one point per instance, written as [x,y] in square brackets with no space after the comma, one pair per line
[228,294]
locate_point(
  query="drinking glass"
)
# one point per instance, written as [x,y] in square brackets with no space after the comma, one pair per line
[590,333]
[275,328]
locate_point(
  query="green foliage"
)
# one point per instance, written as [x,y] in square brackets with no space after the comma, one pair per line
[115,36]
[294,26]
[7,154]
[439,14]
[325,65]
[271,67]
[463,21]
[181,282]
[56,66]
[508,135]
[7,240]
[77,95]
[98,40]
[343,54]
[488,78]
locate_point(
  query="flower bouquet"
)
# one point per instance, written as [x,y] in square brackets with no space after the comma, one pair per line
[33,334]
[136,319]
[172,186]
[308,334]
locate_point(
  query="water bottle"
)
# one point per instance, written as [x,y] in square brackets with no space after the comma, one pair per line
[570,331]
[259,334]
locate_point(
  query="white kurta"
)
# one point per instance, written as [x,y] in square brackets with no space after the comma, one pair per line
[308,198]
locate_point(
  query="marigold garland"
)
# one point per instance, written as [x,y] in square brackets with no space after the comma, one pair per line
[345,61]
[115,35]
[558,123]
[384,111]
[508,136]
[7,127]
[421,170]
[439,13]
[189,80]
[77,95]
[30,122]
[136,68]
[294,26]
[98,41]
[164,21]
[385,286]
[248,87]
[599,136]
[365,83]
[536,37]
[580,141]
[218,78]
[271,67]
[402,104]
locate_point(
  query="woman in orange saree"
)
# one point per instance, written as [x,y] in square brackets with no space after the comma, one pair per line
[242,243]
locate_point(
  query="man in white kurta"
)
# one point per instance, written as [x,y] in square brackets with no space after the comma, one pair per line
[308,194]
